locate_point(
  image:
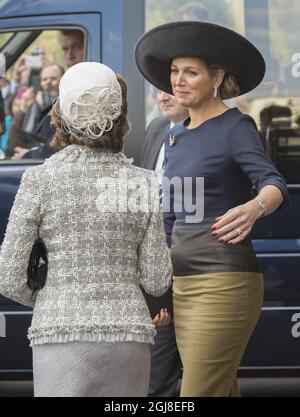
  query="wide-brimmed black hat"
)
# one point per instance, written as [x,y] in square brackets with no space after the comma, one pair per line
[155,50]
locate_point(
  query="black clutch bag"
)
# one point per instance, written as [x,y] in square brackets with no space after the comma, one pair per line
[37,267]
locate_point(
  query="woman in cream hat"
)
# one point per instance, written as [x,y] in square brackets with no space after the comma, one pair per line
[218,286]
[91,328]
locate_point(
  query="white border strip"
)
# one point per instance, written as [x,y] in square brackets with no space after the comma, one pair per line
[277,254]
[280,308]
[268,367]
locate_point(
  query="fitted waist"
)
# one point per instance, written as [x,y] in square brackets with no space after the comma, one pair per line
[195,251]
[204,224]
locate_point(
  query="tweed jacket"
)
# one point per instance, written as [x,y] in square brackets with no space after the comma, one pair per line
[101,246]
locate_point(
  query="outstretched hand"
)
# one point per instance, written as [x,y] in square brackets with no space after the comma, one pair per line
[236,223]
[163,318]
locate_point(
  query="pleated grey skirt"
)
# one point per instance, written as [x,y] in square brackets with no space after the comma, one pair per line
[90,369]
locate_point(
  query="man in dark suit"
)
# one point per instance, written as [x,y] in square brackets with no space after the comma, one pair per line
[157,129]
[165,359]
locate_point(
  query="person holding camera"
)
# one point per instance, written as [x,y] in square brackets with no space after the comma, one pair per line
[34,108]
[72,43]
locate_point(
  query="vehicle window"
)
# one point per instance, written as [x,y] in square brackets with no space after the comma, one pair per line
[4,37]
[35,61]
[272,25]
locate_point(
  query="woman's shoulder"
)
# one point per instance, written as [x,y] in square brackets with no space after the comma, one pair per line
[239,119]
[33,172]
[86,155]
[65,159]
[143,173]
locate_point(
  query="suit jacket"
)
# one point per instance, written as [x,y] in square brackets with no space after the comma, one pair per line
[98,256]
[155,134]
[43,133]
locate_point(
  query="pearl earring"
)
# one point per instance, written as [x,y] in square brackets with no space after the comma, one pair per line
[215,91]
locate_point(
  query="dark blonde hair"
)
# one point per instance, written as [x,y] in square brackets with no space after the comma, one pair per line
[112,140]
[229,87]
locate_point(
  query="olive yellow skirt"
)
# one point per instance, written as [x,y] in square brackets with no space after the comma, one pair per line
[215,312]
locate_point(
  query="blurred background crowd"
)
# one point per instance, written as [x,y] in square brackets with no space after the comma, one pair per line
[27,94]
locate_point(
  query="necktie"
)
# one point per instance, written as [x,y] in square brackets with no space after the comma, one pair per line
[160,185]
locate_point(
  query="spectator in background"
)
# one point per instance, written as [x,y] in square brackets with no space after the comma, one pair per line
[13,109]
[50,77]
[20,101]
[21,73]
[49,81]
[165,358]
[73,48]
[172,112]
[152,106]
[27,68]
[36,106]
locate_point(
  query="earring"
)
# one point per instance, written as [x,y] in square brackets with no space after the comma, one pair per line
[215,91]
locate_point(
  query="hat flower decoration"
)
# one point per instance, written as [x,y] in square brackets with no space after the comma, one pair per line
[90,98]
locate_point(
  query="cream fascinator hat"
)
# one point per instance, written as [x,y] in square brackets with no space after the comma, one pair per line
[90,98]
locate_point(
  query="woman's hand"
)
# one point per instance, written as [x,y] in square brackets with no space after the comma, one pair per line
[19,153]
[163,318]
[236,223]
[19,66]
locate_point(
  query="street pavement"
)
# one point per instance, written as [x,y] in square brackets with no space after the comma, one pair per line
[250,387]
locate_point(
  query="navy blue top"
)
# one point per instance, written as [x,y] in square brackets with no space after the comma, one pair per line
[227,152]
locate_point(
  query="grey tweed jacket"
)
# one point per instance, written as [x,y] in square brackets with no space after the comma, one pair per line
[99,251]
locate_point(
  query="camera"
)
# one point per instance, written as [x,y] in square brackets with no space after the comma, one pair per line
[35,59]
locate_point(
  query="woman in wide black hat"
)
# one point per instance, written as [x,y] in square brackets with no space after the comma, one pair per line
[218,287]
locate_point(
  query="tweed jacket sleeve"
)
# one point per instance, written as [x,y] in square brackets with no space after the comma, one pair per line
[21,232]
[155,269]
